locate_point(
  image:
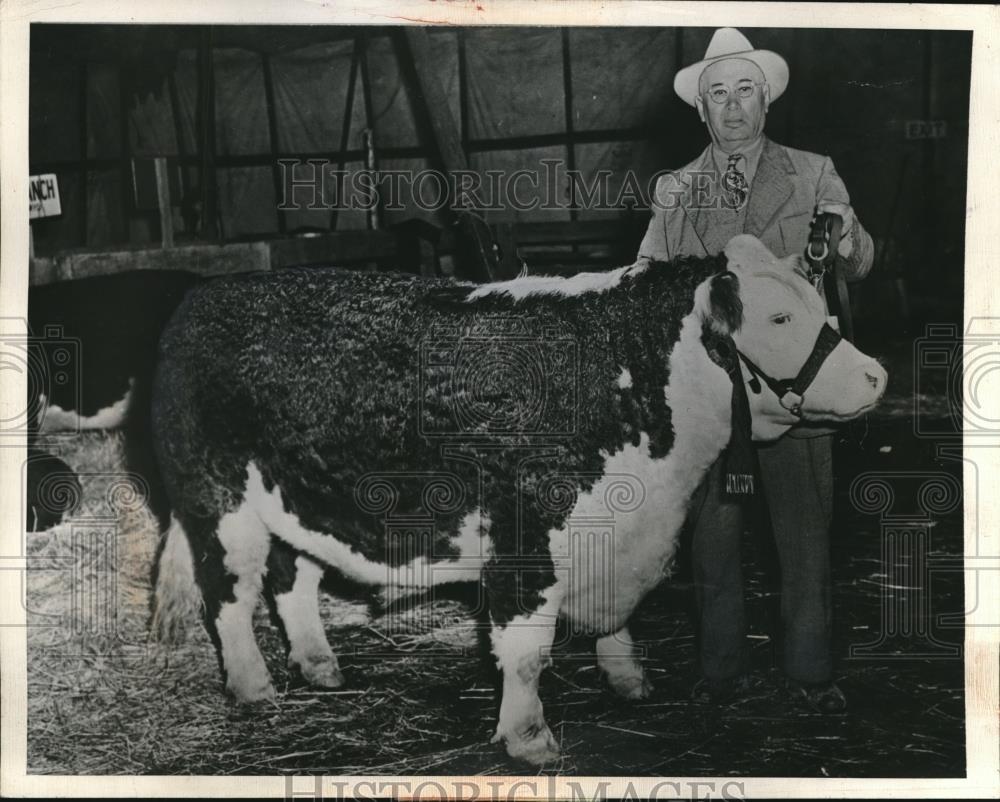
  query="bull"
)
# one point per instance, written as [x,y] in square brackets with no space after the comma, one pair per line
[413,432]
[94,340]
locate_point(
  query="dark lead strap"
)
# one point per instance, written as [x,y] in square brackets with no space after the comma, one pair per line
[740,466]
[826,341]
[790,391]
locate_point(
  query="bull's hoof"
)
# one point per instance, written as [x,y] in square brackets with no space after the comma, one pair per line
[631,686]
[323,672]
[251,693]
[535,745]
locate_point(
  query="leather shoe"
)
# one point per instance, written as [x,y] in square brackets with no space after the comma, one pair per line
[720,691]
[820,697]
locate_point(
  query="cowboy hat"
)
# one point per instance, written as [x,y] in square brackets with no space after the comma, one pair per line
[730,43]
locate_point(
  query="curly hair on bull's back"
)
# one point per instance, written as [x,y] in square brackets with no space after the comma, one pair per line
[321,375]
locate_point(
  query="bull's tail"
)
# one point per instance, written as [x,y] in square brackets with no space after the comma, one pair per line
[176,598]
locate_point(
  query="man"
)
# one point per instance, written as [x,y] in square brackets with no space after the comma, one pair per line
[744,182]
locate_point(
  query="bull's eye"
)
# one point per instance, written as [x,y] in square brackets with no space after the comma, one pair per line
[781,318]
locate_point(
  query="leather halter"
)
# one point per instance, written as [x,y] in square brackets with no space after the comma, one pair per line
[791,391]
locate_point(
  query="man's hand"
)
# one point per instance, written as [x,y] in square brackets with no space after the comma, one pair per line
[847,229]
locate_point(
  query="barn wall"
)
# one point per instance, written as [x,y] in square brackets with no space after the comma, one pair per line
[592,98]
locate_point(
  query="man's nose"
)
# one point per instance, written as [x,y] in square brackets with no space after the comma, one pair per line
[733,102]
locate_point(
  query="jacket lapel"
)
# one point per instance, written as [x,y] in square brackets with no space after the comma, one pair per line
[701,217]
[771,188]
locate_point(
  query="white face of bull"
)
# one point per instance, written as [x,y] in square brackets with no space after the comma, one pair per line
[782,317]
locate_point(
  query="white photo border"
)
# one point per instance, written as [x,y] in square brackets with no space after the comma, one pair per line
[982,300]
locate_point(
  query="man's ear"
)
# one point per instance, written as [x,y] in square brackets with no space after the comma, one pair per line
[766,91]
[700,105]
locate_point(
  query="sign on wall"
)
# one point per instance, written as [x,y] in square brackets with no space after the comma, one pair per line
[43,196]
[926,129]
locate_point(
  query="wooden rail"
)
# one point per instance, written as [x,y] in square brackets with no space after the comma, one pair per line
[345,248]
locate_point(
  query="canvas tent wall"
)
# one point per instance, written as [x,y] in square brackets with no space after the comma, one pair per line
[226,103]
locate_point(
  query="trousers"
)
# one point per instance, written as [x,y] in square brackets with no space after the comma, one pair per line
[797,479]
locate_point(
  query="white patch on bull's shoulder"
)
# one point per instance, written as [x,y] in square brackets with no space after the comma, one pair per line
[624,379]
[632,515]
[53,418]
[246,543]
[523,287]
[418,573]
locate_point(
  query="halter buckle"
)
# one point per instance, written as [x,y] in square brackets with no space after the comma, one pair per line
[793,403]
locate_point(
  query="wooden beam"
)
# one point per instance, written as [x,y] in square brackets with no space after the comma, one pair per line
[175,113]
[340,248]
[124,159]
[163,202]
[207,260]
[567,232]
[84,125]
[479,257]
[343,248]
[345,129]
[446,133]
[272,134]
[463,91]
[370,142]
[602,136]
[568,114]
[206,129]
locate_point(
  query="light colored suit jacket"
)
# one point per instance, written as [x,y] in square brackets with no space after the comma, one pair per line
[786,188]
[689,220]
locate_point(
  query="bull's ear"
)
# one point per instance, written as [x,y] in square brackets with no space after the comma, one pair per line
[725,309]
[745,254]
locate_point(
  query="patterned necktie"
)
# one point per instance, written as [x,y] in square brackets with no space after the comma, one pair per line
[734,182]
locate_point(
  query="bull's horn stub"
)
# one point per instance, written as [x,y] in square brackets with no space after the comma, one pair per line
[746,252]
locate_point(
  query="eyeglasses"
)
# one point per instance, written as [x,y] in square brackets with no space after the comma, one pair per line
[720,94]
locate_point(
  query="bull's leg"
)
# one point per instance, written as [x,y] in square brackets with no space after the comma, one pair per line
[231,570]
[293,584]
[522,647]
[616,657]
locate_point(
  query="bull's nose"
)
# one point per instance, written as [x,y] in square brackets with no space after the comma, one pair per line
[876,377]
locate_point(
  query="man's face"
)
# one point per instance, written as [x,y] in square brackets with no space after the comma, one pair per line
[739,120]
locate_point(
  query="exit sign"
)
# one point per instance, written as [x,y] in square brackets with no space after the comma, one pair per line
[43,196]
[926,129]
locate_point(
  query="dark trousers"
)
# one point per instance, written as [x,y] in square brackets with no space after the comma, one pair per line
[797,479]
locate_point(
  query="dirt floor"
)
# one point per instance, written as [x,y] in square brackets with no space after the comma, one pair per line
[421,695]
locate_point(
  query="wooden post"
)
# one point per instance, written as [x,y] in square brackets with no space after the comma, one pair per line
[446,134]
[163,202]
[272,131]
[345,131]
[210,219]
[419,53]
[368,135]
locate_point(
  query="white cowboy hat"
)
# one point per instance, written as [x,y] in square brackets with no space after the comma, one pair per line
[730,43]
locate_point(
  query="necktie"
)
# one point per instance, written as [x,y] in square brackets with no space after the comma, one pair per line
[734,184]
